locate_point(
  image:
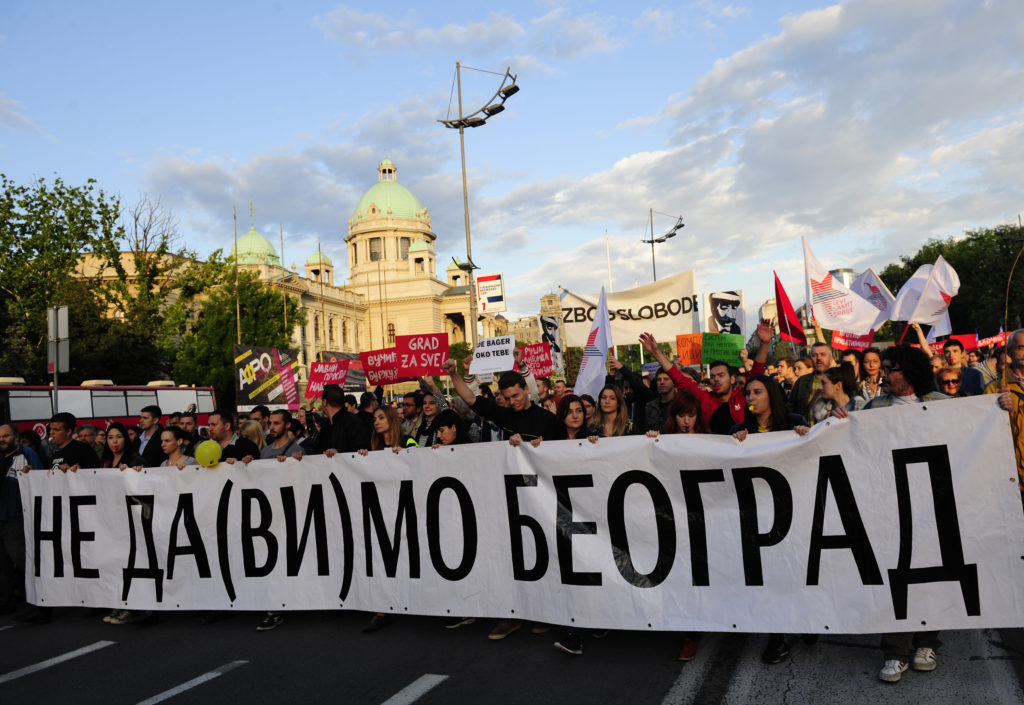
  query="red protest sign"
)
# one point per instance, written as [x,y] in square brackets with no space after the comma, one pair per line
[421,355]
[538,359]
[851,341]
[324,373]
[381,366]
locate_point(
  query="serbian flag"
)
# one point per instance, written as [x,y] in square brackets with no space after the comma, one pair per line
[789,323]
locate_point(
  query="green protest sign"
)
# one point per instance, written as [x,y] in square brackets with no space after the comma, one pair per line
[722,346]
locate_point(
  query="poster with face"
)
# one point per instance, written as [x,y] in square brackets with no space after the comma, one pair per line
[551,333]
[726,312]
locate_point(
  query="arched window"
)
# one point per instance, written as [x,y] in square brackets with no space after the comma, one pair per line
[376,249]
[403,247]
[330,330]
[316,328]
[344,333]
[391,332]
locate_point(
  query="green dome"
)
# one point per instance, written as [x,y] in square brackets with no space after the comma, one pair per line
[390,197]
[453,266]
[421,246]
[319,258]
[253,248]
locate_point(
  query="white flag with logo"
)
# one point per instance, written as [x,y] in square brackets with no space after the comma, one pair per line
[833,305]
[909,294]
[873,289]
[940,288]
[592,372]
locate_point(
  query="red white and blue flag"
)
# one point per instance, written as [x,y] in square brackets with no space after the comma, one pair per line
[592,372]
[833,305]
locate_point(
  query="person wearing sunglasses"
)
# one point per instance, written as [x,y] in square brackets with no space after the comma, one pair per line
[950,382]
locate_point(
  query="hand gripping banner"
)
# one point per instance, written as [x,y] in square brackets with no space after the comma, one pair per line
[885,521]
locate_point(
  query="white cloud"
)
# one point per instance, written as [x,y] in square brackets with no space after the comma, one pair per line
[11,116]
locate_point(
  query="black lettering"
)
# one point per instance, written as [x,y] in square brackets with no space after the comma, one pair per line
[223,550]
[53,536]
[315,517]
[953,568]
[566,312]
[782,516]
[621,313]
[696,525]
[153,572]
[660,310]
[678,306]
[186,513]
[644,316]
[590,313]
[665,524]
[78,536]
[390,550]
[348,544]
[250,532]
[469,533]
[566,528]
[516,523]
[832,472]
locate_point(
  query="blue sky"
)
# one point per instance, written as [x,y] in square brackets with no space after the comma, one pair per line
[867,126]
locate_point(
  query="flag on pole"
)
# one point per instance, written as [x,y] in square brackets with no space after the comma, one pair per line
[790,327]
[943,327]
[942,285]
[910,294]
[592,372]
[833,305]
[870,286]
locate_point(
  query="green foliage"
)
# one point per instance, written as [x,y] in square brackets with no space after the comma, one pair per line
[458,352]
[43,228]
[982,259]
[205,355]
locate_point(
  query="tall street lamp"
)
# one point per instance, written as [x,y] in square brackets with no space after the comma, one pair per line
[671,232]
[478,117]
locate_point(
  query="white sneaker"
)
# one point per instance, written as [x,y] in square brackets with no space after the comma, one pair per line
[892,670]
[924,660]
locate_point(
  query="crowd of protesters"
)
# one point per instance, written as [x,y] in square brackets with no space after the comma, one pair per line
[788,395]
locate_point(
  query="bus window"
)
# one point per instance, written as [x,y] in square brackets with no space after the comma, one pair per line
[172,400]
[108,403]
[138,398]
[77,401]
[30,404]
[205,401]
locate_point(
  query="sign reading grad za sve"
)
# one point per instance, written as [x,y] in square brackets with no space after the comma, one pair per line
[783,533]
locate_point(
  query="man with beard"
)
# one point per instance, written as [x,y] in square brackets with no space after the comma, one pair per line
[280,443]
[657,408]
[233,447]
[808,387]
[187,422]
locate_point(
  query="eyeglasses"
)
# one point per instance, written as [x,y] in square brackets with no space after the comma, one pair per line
[947,382]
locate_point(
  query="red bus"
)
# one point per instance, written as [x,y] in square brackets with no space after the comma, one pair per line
[30,407]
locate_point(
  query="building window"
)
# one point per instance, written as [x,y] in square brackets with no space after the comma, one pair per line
[403,247]
[376,249]
[316,329]
[344,333]
[330,330]
[355,255]
[419,264]
[391,332]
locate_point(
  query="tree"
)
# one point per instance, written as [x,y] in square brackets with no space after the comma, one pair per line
[205,356]
[155,279]
[982,259]
[43,229]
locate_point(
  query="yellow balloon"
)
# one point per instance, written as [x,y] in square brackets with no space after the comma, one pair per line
[208,453]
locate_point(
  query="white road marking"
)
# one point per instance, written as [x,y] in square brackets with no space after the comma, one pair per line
[6,626]
[27,670]
[416,690]
[188,685]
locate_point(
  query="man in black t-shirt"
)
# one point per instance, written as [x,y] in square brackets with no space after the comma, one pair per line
[69,454]
[232,446]
[343,432]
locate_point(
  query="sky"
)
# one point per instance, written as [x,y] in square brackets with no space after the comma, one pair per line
[866,126]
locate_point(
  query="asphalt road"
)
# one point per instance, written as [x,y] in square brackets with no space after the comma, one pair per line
[317,657]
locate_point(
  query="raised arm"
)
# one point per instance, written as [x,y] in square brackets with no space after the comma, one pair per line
[461,388]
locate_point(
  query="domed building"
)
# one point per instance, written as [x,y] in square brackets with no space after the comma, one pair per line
[392,286]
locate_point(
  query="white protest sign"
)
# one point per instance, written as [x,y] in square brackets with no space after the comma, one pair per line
[494,355]
[824,533]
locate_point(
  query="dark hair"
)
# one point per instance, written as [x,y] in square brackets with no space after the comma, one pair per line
[393,437]
[287,415]
[365,399]
[722,363]
[511,379]
[779,417]
[563,410]
[843,374]
[589,399]
[152,410]
[126,454]
[173,415]
[857,355]
[449,418]
[262,409]
[791,361]
[952,343]
[296,428]
[820,344]
[180,434]
[333,396]
[225,417]
[190,415]
[621,410]
[915,366]
[662,371]
[808,362]
[351,399]
[65,419]
[545,380]
[417,398]
[685,402]
[33,438]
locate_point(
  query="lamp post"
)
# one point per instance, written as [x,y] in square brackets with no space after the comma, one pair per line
[671,232]
[477,118]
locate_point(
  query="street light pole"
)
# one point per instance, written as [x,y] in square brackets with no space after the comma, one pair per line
[475,119]
[670,233]
[465,208]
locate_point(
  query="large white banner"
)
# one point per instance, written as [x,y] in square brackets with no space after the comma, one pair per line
[892,520]
[665,308]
